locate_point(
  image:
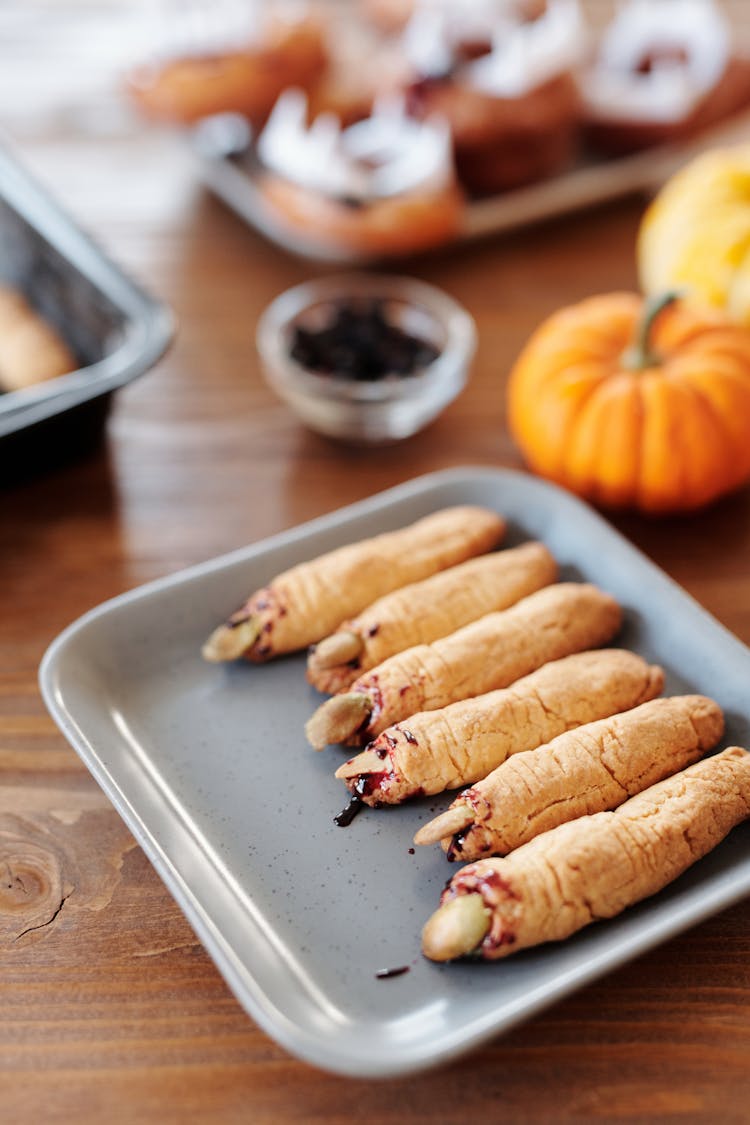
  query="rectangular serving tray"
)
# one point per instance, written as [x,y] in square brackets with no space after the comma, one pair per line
[222,147]
[209,768]
[115,329]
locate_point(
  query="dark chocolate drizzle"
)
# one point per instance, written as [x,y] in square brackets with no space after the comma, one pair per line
[355,806]
[347,815]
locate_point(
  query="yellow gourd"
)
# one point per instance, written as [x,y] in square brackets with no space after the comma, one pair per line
[695,236]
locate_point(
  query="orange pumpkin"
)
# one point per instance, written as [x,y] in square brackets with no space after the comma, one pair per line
[632,404]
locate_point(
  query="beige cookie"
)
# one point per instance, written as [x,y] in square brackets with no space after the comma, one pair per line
[490,653]
[31,351]
[587,770]
[591,868]
[306,603]
[461,743]
[425,611]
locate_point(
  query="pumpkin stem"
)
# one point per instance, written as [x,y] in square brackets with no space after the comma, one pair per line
[640,353]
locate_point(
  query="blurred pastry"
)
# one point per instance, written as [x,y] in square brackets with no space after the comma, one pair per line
[235,65]
[31,351]
[513,111]
[664,71]
[362,66]
[385,185]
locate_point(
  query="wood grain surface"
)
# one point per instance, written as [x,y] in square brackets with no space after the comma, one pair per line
[111,1009]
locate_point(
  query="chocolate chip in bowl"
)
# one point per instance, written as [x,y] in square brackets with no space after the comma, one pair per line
[366,358]
[362,343]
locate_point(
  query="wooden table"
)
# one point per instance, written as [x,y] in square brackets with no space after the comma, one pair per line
[111,1008]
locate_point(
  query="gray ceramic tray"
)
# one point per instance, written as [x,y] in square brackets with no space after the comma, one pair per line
[209,768]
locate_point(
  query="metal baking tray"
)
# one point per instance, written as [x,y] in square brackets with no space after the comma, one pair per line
[210,770]
[112,326]
[225,158]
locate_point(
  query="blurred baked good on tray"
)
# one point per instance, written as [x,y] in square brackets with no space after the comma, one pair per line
[31,350]
[663,72]
[528,93]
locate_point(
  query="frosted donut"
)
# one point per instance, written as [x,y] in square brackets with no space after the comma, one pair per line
[247,80]
[514,111]
[664,71]
[505,143]
[383,186]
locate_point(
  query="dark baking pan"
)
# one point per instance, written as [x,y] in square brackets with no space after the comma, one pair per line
[116,331]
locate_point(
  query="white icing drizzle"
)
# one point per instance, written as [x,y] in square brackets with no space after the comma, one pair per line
[426,44]
[530,54]
[385,155]
[438,27]
[672,88]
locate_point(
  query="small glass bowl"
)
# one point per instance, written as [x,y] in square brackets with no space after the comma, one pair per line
[383,410]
